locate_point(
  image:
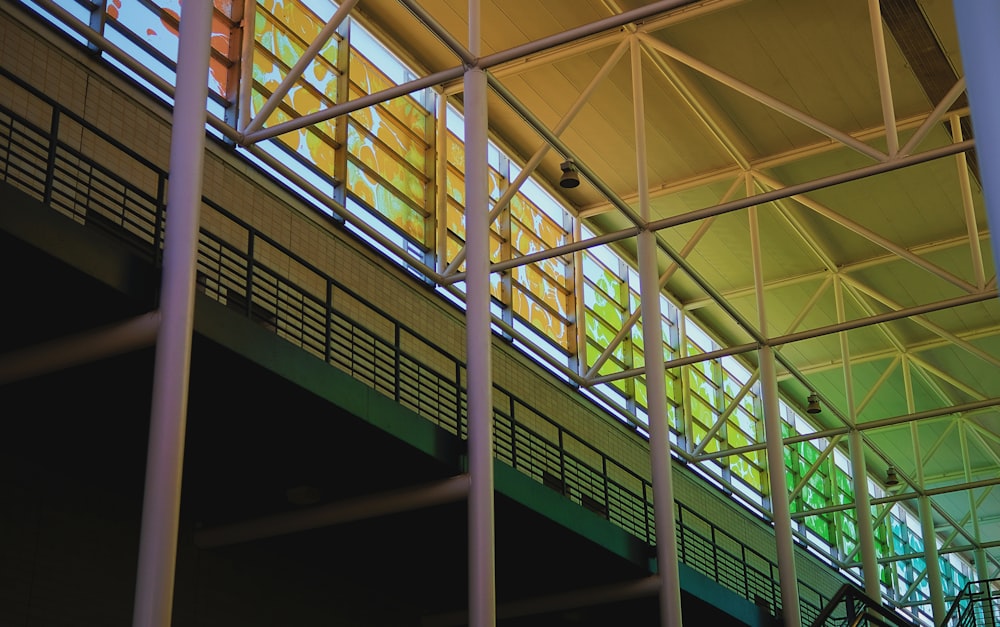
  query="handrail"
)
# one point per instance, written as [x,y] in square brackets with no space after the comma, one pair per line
[974,594]
[858,609]
[232,271]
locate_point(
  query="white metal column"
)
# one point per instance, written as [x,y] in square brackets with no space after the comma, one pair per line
[780,510]
[859,469]
[656,388]
[482,575]
[863,514]
[161,502]
[781,513]
[978,24]
[933,575]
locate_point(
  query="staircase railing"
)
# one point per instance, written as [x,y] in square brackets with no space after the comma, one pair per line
[851,607]
[978,604]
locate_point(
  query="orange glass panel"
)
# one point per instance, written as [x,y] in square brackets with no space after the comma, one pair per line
[157,27]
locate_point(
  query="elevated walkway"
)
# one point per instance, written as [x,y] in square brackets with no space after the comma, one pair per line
[298,411]
[267,417]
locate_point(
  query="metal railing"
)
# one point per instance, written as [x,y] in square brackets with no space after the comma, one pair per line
[851,607]
[354,335]
[977,605]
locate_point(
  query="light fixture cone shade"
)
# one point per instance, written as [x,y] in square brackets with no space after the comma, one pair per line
[813,407]
[570,178]
[891,478]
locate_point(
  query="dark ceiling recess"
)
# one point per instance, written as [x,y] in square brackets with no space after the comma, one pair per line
[923,53]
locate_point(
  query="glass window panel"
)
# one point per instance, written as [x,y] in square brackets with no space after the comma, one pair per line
[699,432]
[368,79]
[702,413]
[402,143]
[544,227]
[699,384]
[601,334]
[365,149]
[540,317]
[155,24]
[380,198]
[820,526]
[600,307]
[546,290]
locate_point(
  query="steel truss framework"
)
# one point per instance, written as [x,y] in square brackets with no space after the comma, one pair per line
[895,326]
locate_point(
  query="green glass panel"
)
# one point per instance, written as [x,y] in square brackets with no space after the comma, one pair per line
[819,526]
[701,386]
[813,498]
[746,471]
[601,334]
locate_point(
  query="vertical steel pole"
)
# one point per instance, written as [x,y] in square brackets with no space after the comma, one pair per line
[859,469]
[931,557]
[884,84]
[781,513]
[482,575]
[863,512]
[978,25]
[164,462]
[656,388]
[245,91]
[780,509]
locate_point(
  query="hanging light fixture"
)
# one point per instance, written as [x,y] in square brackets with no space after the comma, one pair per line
[570,177]
[814,407]
[892,479]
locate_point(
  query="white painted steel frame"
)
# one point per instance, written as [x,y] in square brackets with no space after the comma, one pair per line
[656,391]
[168,415]
[115,339]
[980,45]
[479,342]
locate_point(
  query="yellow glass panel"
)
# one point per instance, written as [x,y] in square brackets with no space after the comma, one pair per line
[276,51]
[384,163]
[494,180]
[394,136]
[543,288]
[496,247]
[452,247]
[456,222]
[368,79]
[380,198]
[544,228]
[455,185]
[456,152]
[524,241]
[539,317]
